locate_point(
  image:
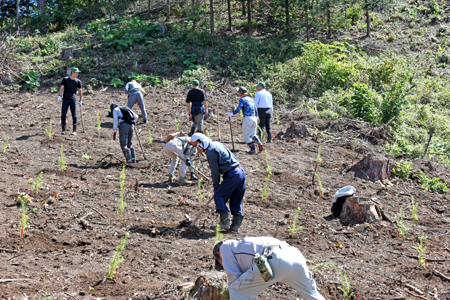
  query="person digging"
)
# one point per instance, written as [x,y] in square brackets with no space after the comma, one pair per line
[197,98]
[253,264]
[134,91]
[232,188]
[250,121]
[180,146]
[124,119]
[70,85]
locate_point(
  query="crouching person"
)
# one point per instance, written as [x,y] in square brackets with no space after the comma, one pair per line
[232,188]
[246,281]
[180,146]
[124,120]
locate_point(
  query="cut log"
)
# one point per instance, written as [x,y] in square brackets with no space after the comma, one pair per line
[372,167]
[209,286]
[359,210]
[295,130]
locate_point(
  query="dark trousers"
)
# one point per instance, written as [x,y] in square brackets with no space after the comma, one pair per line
[231,188]
[73,109]
[265,115]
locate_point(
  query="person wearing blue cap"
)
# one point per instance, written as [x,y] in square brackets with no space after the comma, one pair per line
[197,98]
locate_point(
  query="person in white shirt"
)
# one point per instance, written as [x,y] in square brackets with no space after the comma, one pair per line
[245,282]
[124,120]
[264,104]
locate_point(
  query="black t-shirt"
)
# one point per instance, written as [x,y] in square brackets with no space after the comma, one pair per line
[196,95]
[70,88]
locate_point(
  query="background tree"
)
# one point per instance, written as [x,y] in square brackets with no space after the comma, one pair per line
[41,6]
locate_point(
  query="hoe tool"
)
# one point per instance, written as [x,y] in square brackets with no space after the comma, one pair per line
[206,177]
[139,140]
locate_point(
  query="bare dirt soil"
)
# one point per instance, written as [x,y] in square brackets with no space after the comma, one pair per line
[60,257]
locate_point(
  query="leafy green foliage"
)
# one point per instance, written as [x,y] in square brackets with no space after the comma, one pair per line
[403,169]
[49,131]
[400,223]
[346,286]
[421,249]
[219,234]
[116,82]
[414,206]
[145,79]
[30,79]
[117,259]
[434,184]
[362,104]
[150,138]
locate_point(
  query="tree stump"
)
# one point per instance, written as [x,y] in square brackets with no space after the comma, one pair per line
[359,210]
[67,53]
[372,167]
[295,130]
[5,78]
[209,286]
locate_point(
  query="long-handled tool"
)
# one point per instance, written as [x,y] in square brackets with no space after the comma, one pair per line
[231,132]
[139,140]
[201,211]
[82,120]
[206,177]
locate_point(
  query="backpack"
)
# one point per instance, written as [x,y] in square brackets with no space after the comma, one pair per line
[127,113]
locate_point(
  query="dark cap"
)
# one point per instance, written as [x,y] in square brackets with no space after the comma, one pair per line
[216,249]
[242,90]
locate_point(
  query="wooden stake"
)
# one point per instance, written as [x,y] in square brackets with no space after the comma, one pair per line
[218,123]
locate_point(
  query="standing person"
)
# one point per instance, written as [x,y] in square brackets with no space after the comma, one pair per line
[180,146]
[264,104]
[134,91]
[124,120]
[70,85]
[232,188]
[250,121]
[196,97]
[245,281]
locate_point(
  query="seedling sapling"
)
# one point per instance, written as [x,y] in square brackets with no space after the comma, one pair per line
[5,142]
[85,156]
[261,133]
[319,160]
[177,124]
[36,185]
[320,184]
[122,203]
[62,160]
[117,259]
[49,131]
[219,235]
[293,229]
[421,248]
[278,120]
[150,138]
[99,123]
[265,190]
[414,206]
[23,217]
[207,133]
[346,287]
[401,227]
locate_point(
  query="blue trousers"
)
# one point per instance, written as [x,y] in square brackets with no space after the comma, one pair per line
[232,188]
[73,109]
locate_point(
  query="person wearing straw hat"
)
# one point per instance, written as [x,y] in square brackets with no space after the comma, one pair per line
[264,104]
[70,85]
[197,107]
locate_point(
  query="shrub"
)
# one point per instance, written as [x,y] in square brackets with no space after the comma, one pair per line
[362,103]
[30,79]
[403,169]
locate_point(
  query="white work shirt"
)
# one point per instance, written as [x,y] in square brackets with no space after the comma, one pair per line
[263,99]
[237,254]
[118,117]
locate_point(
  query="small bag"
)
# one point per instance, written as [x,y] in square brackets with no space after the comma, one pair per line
[263,266]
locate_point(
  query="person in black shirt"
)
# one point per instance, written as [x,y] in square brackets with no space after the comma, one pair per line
[70,85]
[199,108]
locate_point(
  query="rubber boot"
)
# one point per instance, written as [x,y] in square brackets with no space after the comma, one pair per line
[183,180]
[74,130]
[258,141]
[171,177]
[133,155]
[236,223]
[127,154]
[63,130]
[193,177]
[192,131]
[224,221]
[269,137]
[252,148]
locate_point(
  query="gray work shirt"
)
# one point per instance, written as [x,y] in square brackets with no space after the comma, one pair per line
[220,160]
[237,254]
[133,87]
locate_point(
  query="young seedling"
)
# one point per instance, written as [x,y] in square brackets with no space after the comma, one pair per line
[319,160]
[23,217]
[207,133]
[99,123]
[150,138]
[401,227]
[117,259]
[414,206]
[293,229]
[265,190]
[219,235]
[278,120]
[225,293]
[62,160]
[5,142]
[261,133]
[85,156]
[36,185]
[320,184]
[346,287]
[201,192]
[177,124]
[421,249]
[122,203]
[49,131]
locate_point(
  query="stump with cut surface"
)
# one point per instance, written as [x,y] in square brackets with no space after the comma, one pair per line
[295,130]
[67,53]
[372,167]
[359,210]
[209,286]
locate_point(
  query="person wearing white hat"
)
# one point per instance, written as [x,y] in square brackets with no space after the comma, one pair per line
[232,188]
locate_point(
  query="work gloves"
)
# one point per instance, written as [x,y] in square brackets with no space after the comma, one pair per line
[59,98]
[188,163]
[114,135]
[230,114]
[81,102]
